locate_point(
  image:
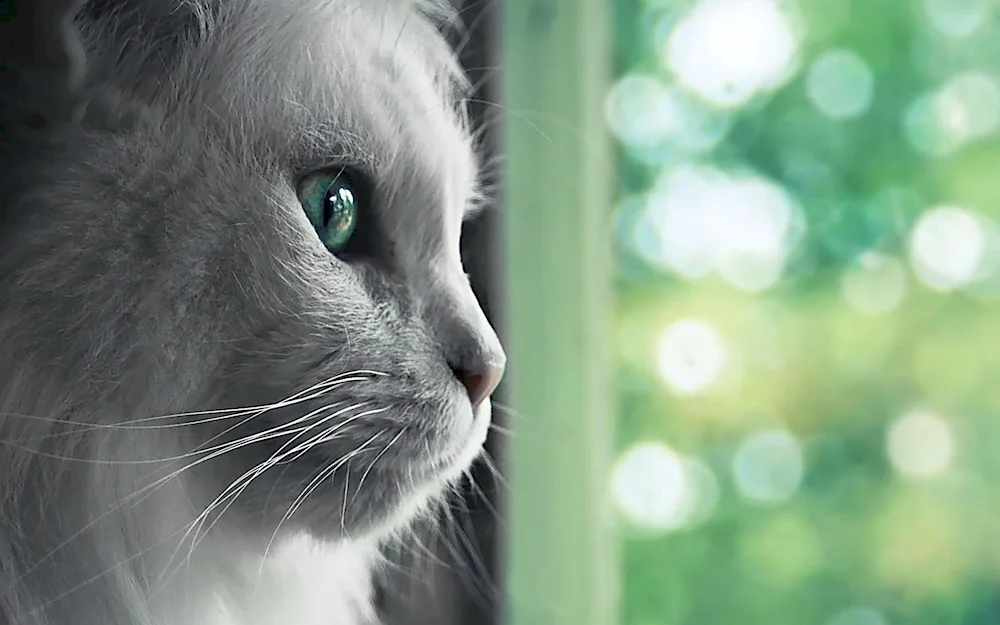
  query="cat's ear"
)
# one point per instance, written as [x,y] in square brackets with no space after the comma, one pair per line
[42,63]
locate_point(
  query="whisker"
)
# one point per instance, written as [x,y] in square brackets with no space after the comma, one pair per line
[143,492]
[364,475]
[300,397]
[498,477]
[348,376]
[507,410]
[478,490]
[480,583]
[279,457]
[309,489]
[282,404]
[274,459]
[499,429]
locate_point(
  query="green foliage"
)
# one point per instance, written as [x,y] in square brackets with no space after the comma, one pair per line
[815,353]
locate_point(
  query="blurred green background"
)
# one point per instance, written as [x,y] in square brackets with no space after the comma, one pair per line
[807,311]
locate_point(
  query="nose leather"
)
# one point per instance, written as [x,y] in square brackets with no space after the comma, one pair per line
[480,382]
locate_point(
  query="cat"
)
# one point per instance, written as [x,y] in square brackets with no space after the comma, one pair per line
[238,350]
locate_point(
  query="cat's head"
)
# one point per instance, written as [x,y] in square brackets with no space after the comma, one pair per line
[261,207]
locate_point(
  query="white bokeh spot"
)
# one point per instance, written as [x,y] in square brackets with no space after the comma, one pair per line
[641,111]
[920,444]
[948,248]
[840,84]
[692,356]
[649,486]
[930,123]
[659,490]
[970,105]
[740,226]
[728,50]
[769,466]
[956,18]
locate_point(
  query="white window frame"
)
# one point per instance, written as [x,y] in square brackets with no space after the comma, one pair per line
[559,186]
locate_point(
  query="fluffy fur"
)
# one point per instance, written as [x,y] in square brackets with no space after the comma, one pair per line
[206,417]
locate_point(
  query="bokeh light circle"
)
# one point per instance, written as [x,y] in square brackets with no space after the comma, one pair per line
[971,101]
[649,486]
[930,125]
[840,84]
[769,466]
[947,248]
[739,225]
[956,18]
[920,444]
[702,494]
[728,50]
[641,111]
[692,356]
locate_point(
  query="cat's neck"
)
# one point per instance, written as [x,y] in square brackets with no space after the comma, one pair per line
[301,582]
[231,579]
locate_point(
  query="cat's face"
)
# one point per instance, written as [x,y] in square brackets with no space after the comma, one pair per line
[169,264]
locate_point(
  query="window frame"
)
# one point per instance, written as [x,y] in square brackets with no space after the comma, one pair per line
[559,186]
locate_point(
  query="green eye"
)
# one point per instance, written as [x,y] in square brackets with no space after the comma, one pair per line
[329,200]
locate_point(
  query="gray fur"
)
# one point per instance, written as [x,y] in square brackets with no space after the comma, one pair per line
[154,261]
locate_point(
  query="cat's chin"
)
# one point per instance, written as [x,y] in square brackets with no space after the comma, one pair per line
[442,473]
[469,447]
[428,477]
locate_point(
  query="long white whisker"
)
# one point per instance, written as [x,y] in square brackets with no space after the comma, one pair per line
[142,493]
[485,499]
[372,465]
[240,485]
[149,489]
[198,450]
[276,458]
[226,413]
[312,486]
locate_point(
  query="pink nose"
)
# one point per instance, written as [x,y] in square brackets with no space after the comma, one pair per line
[481,383]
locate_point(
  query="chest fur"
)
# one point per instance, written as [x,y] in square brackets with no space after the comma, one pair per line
[302,583]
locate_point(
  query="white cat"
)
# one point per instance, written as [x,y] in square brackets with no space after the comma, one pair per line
[238,349]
